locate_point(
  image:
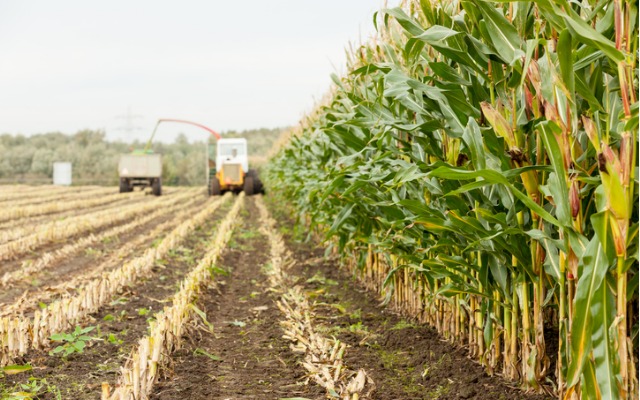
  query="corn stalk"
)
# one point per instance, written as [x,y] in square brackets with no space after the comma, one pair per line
[486,152]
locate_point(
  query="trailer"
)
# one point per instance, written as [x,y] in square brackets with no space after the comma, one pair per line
[140,170]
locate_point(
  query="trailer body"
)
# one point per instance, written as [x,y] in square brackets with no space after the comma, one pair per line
[140,170]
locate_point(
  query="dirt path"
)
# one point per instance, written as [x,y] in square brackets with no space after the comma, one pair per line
[245,357]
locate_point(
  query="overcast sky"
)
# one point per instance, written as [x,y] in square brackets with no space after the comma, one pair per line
[74,64]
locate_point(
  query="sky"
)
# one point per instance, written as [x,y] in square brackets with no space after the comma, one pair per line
[231,65]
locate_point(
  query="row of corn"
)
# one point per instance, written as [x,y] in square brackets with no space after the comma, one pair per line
[322,356]
[479,162]
[140,372]
[19,333]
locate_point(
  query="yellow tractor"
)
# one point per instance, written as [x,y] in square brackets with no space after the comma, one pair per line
[229,171]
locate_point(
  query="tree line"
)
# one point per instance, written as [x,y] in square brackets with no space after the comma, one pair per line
[29,159]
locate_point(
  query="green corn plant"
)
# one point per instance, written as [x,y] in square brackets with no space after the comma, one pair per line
[478,161]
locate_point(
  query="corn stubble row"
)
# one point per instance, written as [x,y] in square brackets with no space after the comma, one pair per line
[13,192]
[56,206]
[24,240]
[179,212]
[478,164]
[139,374]
[19,334]
[62,196]
[322,356]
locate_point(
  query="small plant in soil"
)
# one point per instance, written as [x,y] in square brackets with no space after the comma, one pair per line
[113,339]
[203,352]
[215,270]
[119,301]
[93,253]
[248,234]
[33,389]
[358,328]
[143,311]
[74,342]
[319,278]
[111,239]
[402,325]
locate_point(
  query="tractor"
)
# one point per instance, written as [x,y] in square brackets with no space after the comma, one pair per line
[230,170]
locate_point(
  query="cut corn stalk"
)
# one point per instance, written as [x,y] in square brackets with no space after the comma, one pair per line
[322,356]
[139,374]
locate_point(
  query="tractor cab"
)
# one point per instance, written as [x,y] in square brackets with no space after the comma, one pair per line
[231,157]
[230,170]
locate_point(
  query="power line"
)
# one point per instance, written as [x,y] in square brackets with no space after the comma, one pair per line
[129,123]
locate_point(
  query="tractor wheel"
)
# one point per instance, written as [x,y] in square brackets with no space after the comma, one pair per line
[258,186]
[156,187]
[248,185]
[214,187]
[257,183]
[124,186]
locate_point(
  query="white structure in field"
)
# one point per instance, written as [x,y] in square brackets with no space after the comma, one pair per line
[62,173]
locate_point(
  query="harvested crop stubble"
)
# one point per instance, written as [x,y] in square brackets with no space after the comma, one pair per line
[138,376]
[58,230]
[55,206]
[87,192]
[179,212]
[18,334]
[8,193]
[323,356]
[28,224]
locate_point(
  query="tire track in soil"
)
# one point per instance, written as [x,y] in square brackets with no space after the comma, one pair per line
[405,361]
[255,362]
[80,376]
[100,253]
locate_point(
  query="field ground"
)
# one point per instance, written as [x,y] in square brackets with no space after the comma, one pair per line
[234,346]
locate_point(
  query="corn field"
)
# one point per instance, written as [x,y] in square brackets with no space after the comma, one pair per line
[477,164]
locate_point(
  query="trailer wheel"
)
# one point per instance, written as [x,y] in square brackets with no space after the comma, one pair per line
[214,187]
[124,186]
[156,187]
[248,185]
